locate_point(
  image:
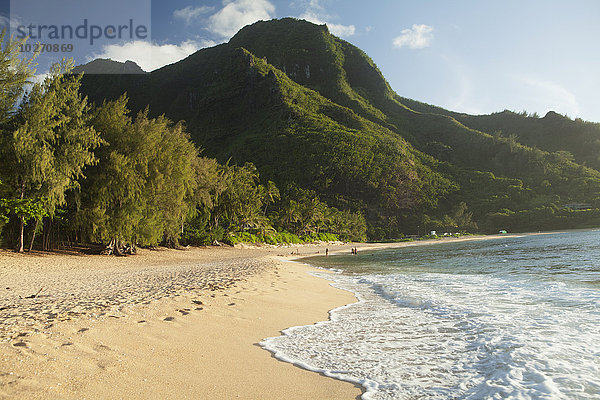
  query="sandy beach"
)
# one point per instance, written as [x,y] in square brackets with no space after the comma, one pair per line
[168,324]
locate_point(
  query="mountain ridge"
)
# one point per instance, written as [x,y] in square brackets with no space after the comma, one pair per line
[108,66]
[313,110]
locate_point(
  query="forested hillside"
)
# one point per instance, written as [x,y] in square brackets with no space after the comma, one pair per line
[74,172]
[286,132]
[311,109]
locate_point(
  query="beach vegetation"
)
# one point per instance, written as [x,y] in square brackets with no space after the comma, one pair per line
[142,188]
[102,174]
[279,238]
[46,145]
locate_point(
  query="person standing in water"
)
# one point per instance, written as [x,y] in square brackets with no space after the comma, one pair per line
[326,252]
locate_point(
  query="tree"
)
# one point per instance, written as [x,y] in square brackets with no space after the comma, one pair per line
[25,210]
[171,179]
[271,194]
[15,72]
[145,184]
[48,145]
[240,204]
[463,218]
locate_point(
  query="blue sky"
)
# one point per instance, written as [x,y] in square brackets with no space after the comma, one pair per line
[469,56]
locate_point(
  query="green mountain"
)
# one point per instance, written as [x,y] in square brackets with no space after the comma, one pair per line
[312,110]
[553,132]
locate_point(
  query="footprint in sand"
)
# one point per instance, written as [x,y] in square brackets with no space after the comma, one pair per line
[199,308]
[142,321]
[183,312]
[169,319]
[20,344]
[83,330]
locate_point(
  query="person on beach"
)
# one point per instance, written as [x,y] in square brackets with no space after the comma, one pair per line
[326,252]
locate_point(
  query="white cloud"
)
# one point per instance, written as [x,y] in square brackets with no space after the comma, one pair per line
[150,56]
[316,14]
[341,30]
[417,37]
[189,13]
[238,13]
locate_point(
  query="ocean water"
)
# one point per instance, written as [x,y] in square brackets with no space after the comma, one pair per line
[510,318]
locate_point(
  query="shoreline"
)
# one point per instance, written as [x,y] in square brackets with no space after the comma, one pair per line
[194,345]
[112,347]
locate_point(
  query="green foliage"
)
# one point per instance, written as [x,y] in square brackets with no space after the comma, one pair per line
[311,110]
[541,218]
[144,186]
[569,140]
[25,209]
[201,237]
[46,145]
[240,204]
[15,71]
[277,238]
[52,141]
[304,214]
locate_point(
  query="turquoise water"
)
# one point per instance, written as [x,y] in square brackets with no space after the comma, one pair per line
[514,318]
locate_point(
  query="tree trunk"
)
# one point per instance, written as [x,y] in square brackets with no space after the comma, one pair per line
[49,235]
[46,233]
[22,221]
[21,229]
[37,221]
[58,235]
[117,250]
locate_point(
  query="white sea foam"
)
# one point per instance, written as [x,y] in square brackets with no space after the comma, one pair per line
[468,336]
